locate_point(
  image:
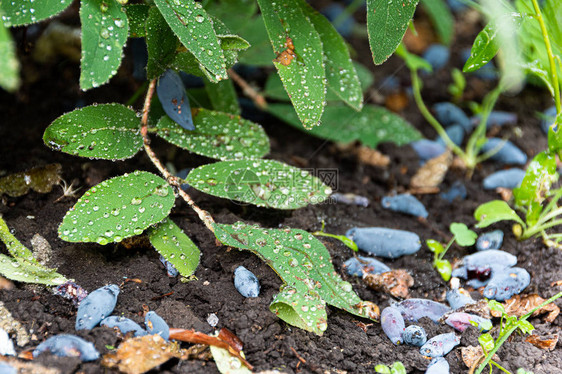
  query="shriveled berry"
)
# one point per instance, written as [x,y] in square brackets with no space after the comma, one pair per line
[449,114]
[440,345]
[156,325]
[458,298]
[383,242]
[437,55]
[350,199]
[414,309]
[392,324]
[427,149]
[509,178]
[506,283]
[490,240]
[72,291]
[405,203]
[246,282]
[357,267]
[173,98]
[438,365]
[414,335]
[68,346]
[460,321]
[124,325]
[96,306]
[506,152]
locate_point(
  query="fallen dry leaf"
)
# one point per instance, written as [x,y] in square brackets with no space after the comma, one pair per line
[520,305]
[543,342]
[395,282]
[471,354]
[430,175]
[372,157]
[479,308]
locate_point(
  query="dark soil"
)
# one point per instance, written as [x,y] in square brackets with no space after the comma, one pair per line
[51,90]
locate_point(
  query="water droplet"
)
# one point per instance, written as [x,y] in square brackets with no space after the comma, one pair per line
[104,33]
[136,201]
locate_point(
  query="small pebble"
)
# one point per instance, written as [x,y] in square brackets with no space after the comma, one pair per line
[212,319]
[490,240]
[414,309]
[455,133]
[508,153]
[457,190]
[510,178]
[372,266]
[383,242]
[461,321]
[350,199]
[124,325]
[392,324]
[156,325]
[496,118]
[549,117]
[6,368]
[65,345]
[405,203]
[506,283]
[437,55]
[440,345]
[6,344]
[458,297]
[427,149]
[414,335]
[449,114]
[96,306]
[170,268]
[246,283]
[438,365]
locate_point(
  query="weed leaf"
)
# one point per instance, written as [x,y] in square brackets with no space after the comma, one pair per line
[24,12]
[192,25]
[483,50]
[161,44]
[304,265]
[223,96]
[118,208]
[299,59]
[105,28]
[105,131]
[265,183]
[463,235]
[9,64]
[495,211]
[255,33]
[441,18]
[137,14]
[217,135]
[176,247]
[386,23]
[371,126]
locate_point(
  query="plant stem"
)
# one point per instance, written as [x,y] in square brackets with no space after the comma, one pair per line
[248,90]
[492,362]
[538,228]
[553,72]
[171,179]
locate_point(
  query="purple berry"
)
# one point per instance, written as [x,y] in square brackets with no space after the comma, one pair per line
[509,178]
[449,114]
[392,324]
[549,118]
[437,55]
[506,283]
[414,309]
[508,152]
[490,240]
[427,149]
[372,266]
[170,268]
[497,118]
[124,325]
[438,365]
[455,133]
[246,282]
[457,190]
[458,298]
[414,335]
[460,321]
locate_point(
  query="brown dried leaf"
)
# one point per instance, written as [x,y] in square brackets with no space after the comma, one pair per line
[395,282]
[479,308]
[542,342]
[139,355]
[40,179]
[471,354]
[521,305]
[430,175]
[372,157]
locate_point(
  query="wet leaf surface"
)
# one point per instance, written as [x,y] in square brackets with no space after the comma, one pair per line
[19,13]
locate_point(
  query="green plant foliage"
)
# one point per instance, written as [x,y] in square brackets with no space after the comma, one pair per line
[176,247]
[340,72]
[414,62]
[24,12]
[9,64]
[105,28]
[495,211]
[441,17]
[464,236]
[484,49]
[192,25]
[106,131]
[265,183]
[255,33]
[555,137]
[223,96]
[118,208]
[217,135]
[301,69]
[137,15]
[225,9]
[304,265]
[161,45]
[386,23]
[371,126]
[22,266]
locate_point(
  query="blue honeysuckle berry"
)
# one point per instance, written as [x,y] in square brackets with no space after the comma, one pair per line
[384,242]
[155,325]
[414,335]
[66,345]
[392,324]
[96,306]
[440,345]
[246,283]
[509,178]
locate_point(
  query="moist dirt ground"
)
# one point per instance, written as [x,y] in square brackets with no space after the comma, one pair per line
[350,344]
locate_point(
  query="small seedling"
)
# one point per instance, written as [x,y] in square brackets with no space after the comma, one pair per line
[462,236]
[396,368]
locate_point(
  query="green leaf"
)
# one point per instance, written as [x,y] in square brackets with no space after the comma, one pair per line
[23,271]
[13,245]
[265,183]
[161,45]
[525,326]
[484,48]
[382,369]
[176,247]
[137,15]
[342,238]
[24,12]
[495,211]
[555,136]
[192,25]
[301,69]
[434,246]
[495,306]
[441,18]
[386,23]
[486,341]
[106,131]
[9,64]
[535,187]
[226,363]
[444,269]
[397,368]
[534,68]
[256,34]
[233,42]
[217,135]
[464,236]
[371,126]
[225,9]
[223,96]
[118,208]
[105,28]
[340,72]
[304,265]
[413,62]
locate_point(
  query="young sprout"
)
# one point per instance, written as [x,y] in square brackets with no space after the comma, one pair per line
[68,190]
[462,235]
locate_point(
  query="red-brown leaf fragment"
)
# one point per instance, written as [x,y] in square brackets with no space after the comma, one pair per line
[543,342]
[521,305]
[395,282]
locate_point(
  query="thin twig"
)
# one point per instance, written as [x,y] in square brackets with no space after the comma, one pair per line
[248,90]
[170,178]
